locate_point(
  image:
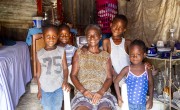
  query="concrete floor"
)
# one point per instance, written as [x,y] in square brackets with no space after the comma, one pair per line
[29,101]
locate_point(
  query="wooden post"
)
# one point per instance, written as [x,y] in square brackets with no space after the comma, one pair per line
[170,81]
[60,11]
[39,7]
[74,13]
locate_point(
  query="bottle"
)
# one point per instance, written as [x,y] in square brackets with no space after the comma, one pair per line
[160,84]
[171,41]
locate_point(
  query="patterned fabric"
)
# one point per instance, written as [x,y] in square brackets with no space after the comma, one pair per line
[51,68]
[92,75]
[70,50]
[137,106]
[92,69]
[157,16]
[108,100]
[137,87]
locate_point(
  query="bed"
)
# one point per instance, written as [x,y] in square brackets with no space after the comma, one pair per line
[15,73]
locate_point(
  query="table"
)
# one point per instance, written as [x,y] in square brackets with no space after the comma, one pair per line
[170,60]
[15,73]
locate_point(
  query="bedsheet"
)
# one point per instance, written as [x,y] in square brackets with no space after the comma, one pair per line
[15,73]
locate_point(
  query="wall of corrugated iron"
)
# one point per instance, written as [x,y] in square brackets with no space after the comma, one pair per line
[16,17]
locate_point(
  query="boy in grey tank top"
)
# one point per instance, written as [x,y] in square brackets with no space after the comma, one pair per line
[52,71]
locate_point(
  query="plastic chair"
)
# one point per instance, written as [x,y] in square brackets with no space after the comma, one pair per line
[67,100]
[67,105]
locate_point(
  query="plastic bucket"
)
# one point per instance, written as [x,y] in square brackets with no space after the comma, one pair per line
[37,22]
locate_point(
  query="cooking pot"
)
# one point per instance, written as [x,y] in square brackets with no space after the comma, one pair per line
[165,54]
[152,51]
[177,45]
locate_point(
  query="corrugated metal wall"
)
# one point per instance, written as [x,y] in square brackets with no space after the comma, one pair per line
[79,12]
[16,15]
[16,18]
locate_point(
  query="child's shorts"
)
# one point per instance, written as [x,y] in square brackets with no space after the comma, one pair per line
[52,100]
[137,106]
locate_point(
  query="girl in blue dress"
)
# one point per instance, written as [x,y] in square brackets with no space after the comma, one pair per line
[138,79]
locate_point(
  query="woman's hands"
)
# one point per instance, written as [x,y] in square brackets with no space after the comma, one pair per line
[95,97]
[88,94]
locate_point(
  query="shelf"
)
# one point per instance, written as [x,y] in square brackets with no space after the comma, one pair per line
[170,60]
[164,59]
[167,103]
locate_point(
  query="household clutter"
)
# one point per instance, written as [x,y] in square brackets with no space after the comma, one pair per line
[163,53]
[166,77]
[162,50]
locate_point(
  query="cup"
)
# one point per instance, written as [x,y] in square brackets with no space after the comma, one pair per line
[160,44]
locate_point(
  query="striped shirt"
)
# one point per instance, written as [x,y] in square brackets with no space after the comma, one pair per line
[70,50]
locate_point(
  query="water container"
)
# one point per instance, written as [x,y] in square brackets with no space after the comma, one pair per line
[37,22]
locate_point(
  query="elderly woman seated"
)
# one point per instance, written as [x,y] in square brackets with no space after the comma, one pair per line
[91,75]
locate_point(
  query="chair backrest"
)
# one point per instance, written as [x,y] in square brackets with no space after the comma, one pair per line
[80,41]
[37,44]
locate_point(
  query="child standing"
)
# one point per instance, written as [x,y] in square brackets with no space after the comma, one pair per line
[118,46]
[52,71]
[138,79]
[64,36]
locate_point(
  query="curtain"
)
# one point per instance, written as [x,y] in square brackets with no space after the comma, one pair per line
[150,20]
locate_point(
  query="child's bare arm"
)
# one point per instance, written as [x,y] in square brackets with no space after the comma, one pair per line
[127,44]
[150,85]
[106,45]
[148,65]
[119,77]
[114,73]
[65,73]
[65,68]
[38,76]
